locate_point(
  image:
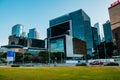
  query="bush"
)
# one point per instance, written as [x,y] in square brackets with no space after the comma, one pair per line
[112,64]
[82,64]
[15,65]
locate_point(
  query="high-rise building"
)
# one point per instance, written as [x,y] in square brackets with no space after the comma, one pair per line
[100,32]
[24,34]
[95,37]
[114,13]
[107,32]
[33,33]
[75,27]
[17,30]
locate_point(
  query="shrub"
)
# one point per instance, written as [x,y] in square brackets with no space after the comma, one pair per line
[15,65]
[82,64]
[112,64]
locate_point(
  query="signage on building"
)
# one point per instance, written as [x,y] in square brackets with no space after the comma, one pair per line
[115,3]
[10,56]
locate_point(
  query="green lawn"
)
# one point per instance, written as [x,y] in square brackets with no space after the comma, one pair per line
[60,73]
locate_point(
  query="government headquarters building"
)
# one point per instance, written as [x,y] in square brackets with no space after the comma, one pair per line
[71,34]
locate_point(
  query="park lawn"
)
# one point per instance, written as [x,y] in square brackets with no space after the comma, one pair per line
[60,73]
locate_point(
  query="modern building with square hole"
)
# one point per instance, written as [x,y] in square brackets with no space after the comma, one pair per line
[71,34]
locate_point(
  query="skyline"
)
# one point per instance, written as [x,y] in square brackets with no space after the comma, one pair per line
[37,13]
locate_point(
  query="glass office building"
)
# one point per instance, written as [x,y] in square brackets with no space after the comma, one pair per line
[100,32]
[33,33]
[17,30]
[107,32]
[75,24]
[24,34]
[95,37]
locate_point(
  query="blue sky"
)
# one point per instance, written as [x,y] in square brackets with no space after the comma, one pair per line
[37,13]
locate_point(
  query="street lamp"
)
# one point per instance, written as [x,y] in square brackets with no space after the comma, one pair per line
[49,49]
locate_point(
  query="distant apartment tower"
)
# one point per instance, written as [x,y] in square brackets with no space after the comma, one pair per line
[100,32]
[114,13]
[95,38]
[17,30]
[33,33]
[75,28]
[107,32]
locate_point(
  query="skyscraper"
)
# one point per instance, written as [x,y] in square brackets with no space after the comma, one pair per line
[17,30]
[107,32]
[24,34]
[75,25]
[95,37]
[33,33]
[100,32]
[114,13]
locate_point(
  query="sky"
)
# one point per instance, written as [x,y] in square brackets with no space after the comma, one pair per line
[37,13]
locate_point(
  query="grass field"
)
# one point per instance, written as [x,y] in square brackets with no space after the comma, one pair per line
[60,73]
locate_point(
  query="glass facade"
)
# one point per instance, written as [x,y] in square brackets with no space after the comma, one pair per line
[107,32]
[81,28]
[100,32]
[59,20]
[95,37]
[76,24]
[57,45]
[13,40]
[98,29]
[33,33]
[17,30]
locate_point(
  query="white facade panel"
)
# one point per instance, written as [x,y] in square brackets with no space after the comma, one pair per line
[69,46]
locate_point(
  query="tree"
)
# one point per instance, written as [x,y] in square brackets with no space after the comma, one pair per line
[53,55]
[35,58]
[19,57]
[27,57]
[87,56]
[59,55]
[45,56]
[108,47]
[3,57]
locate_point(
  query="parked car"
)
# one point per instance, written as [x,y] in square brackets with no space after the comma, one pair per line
[96,63]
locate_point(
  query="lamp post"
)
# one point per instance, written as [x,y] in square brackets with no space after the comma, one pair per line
[49,50]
